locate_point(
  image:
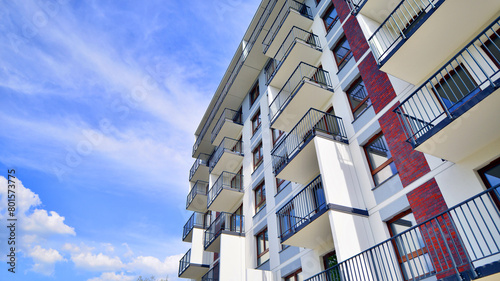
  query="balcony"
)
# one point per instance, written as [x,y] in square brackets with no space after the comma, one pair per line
[227,156]
[226,192]
[199,170]
[308,87]
[404,45]
[461,242]
[292,13]
[228,125]
[450,115]
[197,220]
[197,197]
[191,270]
[305,216]
[212,274]
[299,45]
[355,5]
[294,157]
[224,224]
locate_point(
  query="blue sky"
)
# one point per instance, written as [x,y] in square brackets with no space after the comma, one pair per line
[99,103]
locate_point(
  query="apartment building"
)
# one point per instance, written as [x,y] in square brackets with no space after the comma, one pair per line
[352,140]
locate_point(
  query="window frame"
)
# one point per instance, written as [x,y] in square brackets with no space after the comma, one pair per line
[350,90]
[280,185]
[265,234]
[277,139]
[260,204]
[346,57]
[254,94]
[258,148]
[327,13]
[294,275]
[381,166]
[256,117]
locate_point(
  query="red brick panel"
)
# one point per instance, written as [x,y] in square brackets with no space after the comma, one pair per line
[355,37]
[377,83]
[342,9]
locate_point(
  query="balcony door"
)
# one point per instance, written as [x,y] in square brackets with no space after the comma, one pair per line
[491,178]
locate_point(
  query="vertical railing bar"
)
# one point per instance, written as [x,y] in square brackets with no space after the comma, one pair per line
[449,251]
[479,245]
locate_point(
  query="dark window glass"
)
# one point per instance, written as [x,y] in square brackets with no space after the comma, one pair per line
[260,197]
[257,156]
[358,98]
[330,17]
[256,122]
[380,159]
[254,94]
[342,52]
[456,87]
[262,247]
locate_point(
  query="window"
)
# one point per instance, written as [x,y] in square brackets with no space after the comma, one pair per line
[296,276]
[410,249]
[358,98]
[277,134]
[256,122]
[491,178]
[262,247]
[456,87]
[342,52]
[254,94]
[260,197]
[330,17]
[280,185]
[257,156]
[330,260]
[380,159]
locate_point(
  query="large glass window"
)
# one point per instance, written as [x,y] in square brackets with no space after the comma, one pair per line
[254,94]
[262,247]
[456,87]
[256,122]
[380,159]
[330,17]
[295,276]
[277,135]
[260,197]
[257,156]
[342,52]
[491,178]
[358,98]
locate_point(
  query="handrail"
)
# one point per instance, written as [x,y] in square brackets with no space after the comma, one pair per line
[399,25]
[226,145]
[246,50]
[303,72]
[471,71]
[196,220]
[313,121]
[225,180]
[203,159]
[224,222]
[291,39]
[200,187]
[227,114]
[184,262]
[212,274]
[301,8]
[355,5]
[447,243]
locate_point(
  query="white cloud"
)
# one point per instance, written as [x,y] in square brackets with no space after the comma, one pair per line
[99,262]
[44,259]
[72,248]
[108,247]
[111,276]
[152,265]
[41,222]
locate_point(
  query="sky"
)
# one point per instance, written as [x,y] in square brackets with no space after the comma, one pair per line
[99,101]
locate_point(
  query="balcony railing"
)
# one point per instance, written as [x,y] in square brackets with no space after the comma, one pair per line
[355,5]
[474,71]
[303,72]
[302,209]
[296,34]
[401,23]
[227,114]
[227,145]
[202,159]
[224,222]
[199,188]
[280,19]
[234,72]
[445,245]
[184,262]
[196,220]
[226,180]
[313,122]
[212,274]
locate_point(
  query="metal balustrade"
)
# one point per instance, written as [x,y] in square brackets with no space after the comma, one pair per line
[203,159]
[196,220]
[314,121]
[289,5]
[399,25]
[302,209]
[199,188]
[474,70]
[226,180]
[232,223]
[234,72]
[296,34]
[212,274]
[184,262]
[303,72]
[227,114]
[355,5]
[456,242]
[226,145]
